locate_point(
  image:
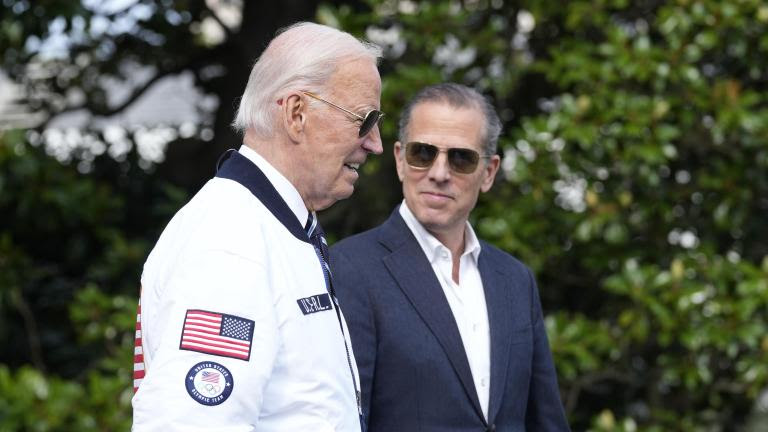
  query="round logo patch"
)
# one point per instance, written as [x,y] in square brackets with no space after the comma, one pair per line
[209,383]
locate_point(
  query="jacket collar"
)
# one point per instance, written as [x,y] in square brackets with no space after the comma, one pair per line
[406,262]
[234,166]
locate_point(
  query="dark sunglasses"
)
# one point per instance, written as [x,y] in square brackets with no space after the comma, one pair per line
[461,160]
[366,123]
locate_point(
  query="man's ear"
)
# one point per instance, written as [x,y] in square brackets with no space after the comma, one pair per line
[399,160]
[294,108]
[489,173]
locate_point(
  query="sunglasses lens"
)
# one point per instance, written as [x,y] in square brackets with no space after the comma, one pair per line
[369,122]
[420,155]
[463,160]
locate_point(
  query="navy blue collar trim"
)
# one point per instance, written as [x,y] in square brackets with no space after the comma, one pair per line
[234,166]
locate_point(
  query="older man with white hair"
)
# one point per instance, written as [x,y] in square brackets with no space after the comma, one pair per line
[238,327]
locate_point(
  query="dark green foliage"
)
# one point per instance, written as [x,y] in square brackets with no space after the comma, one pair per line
[71,250]
[635,183]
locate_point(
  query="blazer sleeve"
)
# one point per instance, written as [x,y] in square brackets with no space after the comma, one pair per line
[545,407]
[352,290]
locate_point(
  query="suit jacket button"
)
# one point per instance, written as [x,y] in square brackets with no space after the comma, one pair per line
[491,428]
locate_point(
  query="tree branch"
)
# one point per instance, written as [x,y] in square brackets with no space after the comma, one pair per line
[106,112]
[588,380]
[137,93]
[30,325]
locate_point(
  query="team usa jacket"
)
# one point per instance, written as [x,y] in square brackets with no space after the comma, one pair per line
[237,328]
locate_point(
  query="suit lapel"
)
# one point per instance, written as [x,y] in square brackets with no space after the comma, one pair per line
[497,299]
[407,264]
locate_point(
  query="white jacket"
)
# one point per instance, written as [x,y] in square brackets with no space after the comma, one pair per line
[238,331]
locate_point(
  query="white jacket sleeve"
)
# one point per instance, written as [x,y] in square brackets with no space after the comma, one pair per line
[210,340]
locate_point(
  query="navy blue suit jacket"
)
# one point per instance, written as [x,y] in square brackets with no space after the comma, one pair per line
[414,371]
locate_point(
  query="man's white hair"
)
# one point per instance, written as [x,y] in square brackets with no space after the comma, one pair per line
[302,56]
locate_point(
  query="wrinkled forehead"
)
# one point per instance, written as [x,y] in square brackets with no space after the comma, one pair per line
[358,81]
[445,125]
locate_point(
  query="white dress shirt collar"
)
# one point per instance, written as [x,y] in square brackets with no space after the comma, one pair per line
[430,244]
[285,188]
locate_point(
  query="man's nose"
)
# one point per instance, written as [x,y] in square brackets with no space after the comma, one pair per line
[440,170]
[372,141]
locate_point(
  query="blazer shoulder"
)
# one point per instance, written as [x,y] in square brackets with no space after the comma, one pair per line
[360,240]
[358,247]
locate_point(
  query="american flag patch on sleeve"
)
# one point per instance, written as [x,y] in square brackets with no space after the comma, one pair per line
[218,334]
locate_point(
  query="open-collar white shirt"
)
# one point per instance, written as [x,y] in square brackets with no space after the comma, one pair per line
[466,299]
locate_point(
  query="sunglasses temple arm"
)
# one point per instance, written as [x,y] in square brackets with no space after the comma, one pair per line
[314,96]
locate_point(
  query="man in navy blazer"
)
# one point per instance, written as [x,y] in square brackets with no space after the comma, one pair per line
[447,330]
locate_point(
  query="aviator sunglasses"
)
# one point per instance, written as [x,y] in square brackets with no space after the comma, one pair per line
[366,123]
[461,160]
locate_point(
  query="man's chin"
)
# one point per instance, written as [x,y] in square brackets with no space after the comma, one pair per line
[333,198]
[347,190]
[431,221]
[346,195]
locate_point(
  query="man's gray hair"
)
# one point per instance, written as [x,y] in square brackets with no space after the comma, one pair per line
[302,56]
[457,96]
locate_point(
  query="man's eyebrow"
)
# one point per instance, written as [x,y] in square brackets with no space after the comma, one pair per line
[368,107]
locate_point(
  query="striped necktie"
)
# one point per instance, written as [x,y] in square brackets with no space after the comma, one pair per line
[317,238]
